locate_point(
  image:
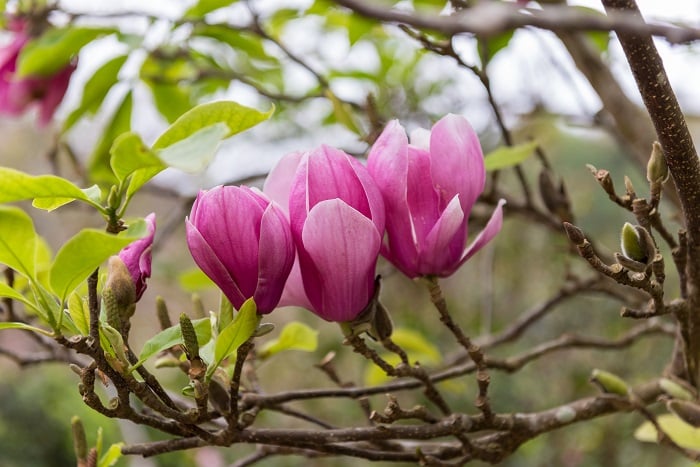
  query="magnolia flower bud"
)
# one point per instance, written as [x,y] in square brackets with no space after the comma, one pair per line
[633,242]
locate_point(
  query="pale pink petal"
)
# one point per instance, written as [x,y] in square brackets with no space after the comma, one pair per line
[279,181]
[56,87]
[423,199]
[344,245]
[457,161]
[493,226]
[293,293]
[441,251]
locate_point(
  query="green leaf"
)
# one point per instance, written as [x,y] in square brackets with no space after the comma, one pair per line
[113,454]
[343,113]
[18,186]
[85,252]
[680,432]
[18,241]
[129,154]
[194,153]
[237,118]
[172,100]
[99,166]
[53,50]
[294,336]
[9,292]
[194,280]
[490,46]
[170,337]
[96,90]
[239,41]
[235,334]
[416,345]
[508,156]
[79,313]
[25,327]
[202,7]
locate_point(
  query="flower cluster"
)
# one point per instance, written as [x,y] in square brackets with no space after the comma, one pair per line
[17,94]
[312,237]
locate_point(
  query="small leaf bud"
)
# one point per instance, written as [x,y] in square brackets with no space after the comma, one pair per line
[79,439]
[609,383]
[675,389]
[657,170]
[189,337]
[686,411]
[574,233]
[632,245]
[162,312]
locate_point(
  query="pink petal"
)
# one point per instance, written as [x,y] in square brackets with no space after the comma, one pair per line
[343,245]
[493,226]
[457,161]
[293,293]
[209,263]
[441,252]
[56,87]
[276,262]
[279,181]
[423,199]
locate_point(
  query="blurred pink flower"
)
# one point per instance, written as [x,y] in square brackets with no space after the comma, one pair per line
[337,218]
[241,241]
[137,257]
[18,94]
[429,189]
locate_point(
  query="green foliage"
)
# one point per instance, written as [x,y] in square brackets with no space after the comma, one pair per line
[96,90]
[234,335]
[99,167]
[23,326]
[508,156]
[53,50]
[79,313]
[194,280]
[18,241]
[681,433]
[294,336]
[488,47]
[202,7]
[416,345]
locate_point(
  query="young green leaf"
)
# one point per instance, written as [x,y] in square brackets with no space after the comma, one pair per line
[18,186]
[79,313]
[508,156]
[84,252]
[170,337]
[194,153]
[202,7]
[172,100]
[194,280]
[234,335]
[680,432]
[113,454]
[237,118]
[52,51]
[294,336]
[18,241]
[25,327]
[129,153]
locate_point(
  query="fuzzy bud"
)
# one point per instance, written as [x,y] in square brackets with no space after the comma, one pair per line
[189,337]
[603,178]
[675,389]
[162,311]
[657,170]
[633,243]
[686,411]
[79,440]
[575,234]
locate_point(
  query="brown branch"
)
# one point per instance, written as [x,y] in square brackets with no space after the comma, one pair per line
[679,152]
[493,18]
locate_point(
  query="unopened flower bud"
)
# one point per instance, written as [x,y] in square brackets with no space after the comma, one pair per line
[119,294]
[634,244]
[686,411]
[79,439]
[162,311]
[629,188]
[609,383]
[189,337]
[574,233]
[657,170]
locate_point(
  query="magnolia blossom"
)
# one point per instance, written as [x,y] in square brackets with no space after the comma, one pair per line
[429,189]
[17,94]
[137,257]
[336,215]
[241,241]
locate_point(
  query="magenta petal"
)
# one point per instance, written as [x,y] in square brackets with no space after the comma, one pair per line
[423,199]
[457,161]
[56,87]
[493,226]
[347,274]
[441,252]
[209,263]
[273,266]
[387,162]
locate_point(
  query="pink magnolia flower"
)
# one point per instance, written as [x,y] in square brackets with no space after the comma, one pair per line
[18,94]
[429,189]
[137,257]
[336,215]
[241,241]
